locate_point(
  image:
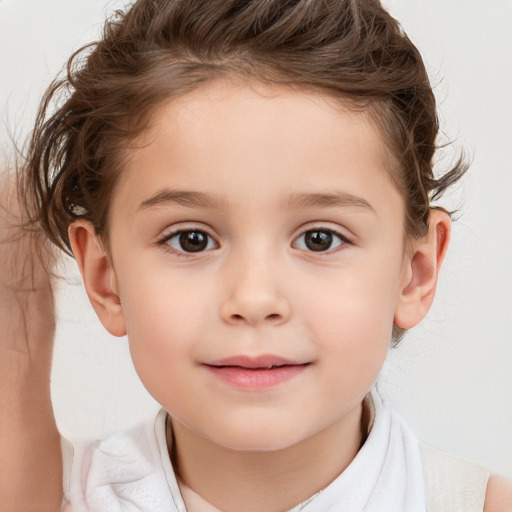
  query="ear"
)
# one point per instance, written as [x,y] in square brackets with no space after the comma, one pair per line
[421,270]
[98,276]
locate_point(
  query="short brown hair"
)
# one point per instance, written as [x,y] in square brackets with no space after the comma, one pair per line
[350,49]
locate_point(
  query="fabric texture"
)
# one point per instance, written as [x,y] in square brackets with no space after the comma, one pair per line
[131,471]
[453,484]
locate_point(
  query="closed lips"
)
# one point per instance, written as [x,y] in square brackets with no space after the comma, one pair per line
[264,362]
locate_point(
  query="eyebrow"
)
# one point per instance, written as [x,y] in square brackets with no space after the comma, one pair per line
[343,199]
[180,197]
[295,200]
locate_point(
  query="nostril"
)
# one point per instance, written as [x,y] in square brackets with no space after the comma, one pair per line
[271,317]
[254,309]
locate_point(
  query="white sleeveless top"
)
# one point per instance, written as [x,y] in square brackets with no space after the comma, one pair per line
[393,472]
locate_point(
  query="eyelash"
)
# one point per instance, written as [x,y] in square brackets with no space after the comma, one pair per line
[334,234]
[164,242]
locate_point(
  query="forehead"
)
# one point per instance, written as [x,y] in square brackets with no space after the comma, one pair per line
[235,139]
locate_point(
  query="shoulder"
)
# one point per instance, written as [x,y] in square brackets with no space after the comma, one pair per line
[118,456]
[100,474]
[498,497]
[452,483]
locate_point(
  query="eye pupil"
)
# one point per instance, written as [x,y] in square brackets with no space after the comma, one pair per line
[193,241]
[318,240]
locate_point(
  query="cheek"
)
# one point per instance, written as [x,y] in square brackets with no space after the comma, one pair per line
[168,314]
[157,321]
[354,337]
[162,303]
[352,315]
[355,305]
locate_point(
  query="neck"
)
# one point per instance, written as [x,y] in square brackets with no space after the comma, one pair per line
[234,480]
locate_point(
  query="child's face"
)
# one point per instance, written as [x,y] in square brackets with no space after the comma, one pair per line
[254,223]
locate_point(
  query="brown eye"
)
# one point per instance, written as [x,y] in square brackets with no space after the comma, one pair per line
[319,240]
[190,241]
[193,241]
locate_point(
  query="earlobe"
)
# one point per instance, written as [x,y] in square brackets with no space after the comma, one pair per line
[98,276]
[421,271]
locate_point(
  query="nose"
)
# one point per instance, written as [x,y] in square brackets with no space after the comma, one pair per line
[254,296]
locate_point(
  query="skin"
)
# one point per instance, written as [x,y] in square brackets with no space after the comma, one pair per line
[257,288]
[499,495]
[30,473]
[30,469]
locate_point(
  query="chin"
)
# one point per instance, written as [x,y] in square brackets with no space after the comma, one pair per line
[259,439]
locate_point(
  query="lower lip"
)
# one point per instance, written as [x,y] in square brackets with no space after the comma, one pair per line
[255,379]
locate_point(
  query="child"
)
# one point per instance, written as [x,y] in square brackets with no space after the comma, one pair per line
[246,188]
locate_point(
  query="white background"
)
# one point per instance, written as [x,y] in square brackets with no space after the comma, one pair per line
[451,377]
